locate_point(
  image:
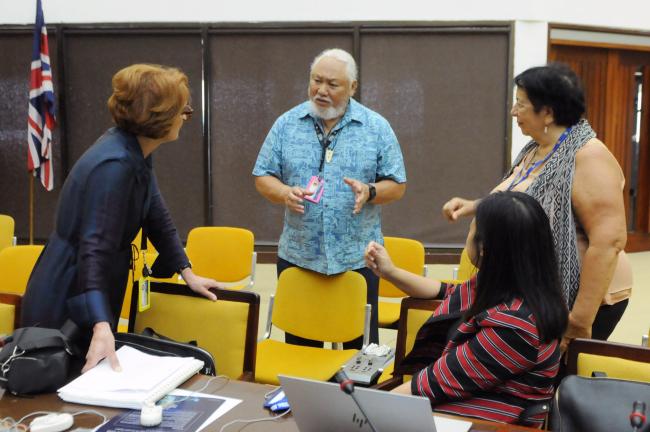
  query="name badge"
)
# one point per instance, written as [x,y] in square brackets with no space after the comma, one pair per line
[144,293]
[316,186]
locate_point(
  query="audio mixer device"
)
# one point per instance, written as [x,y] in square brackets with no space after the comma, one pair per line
[365,367]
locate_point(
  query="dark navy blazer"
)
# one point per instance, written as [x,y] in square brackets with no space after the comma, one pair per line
[110,193]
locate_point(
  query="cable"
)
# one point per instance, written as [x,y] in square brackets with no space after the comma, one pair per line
[33,414]
[254,420]
[268,393]
[347,386]
[90,411]
[8,424]
[193,392]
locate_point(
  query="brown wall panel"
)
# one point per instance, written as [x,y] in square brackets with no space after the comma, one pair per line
[16,52]
[446,97]
[91,60]
[445,94]
[255,78]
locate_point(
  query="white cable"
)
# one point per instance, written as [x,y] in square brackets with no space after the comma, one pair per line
[9,424]
[266,395]
[207,383]
[33,414]
[18,423]
[254,420]
[90,411]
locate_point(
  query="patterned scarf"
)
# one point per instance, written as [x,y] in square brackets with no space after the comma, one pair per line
[552,189]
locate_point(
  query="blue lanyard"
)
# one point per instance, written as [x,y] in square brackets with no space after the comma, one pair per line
[519,178]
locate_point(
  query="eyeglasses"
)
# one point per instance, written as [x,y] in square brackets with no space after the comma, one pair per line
[520,106]
[187,112]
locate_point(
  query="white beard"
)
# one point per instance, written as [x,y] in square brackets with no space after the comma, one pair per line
[328,113]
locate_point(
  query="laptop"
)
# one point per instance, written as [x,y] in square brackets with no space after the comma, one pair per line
[323,406]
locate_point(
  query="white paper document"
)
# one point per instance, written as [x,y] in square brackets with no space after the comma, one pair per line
[229,403]
[144,377]
[444,424]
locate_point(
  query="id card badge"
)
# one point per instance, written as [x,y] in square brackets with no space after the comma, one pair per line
[144,293]
[316,186]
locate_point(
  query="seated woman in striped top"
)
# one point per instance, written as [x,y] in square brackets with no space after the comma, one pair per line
[503,354]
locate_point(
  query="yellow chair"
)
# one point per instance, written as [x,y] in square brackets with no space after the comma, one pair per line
[16,264]
[622,361]
[466,269]
[224,254]
[406,254]
[226,328]
[137,264]
[314,306]
[414,313]
[7,227]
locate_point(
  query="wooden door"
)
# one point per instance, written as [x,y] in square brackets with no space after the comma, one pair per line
[609,77]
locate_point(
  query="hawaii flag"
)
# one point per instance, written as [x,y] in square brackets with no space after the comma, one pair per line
[41,120]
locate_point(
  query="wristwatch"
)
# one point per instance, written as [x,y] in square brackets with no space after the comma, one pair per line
[372,192]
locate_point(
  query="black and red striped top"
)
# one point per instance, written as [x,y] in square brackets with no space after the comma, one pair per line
[493,365]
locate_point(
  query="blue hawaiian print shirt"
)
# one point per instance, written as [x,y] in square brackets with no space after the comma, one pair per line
[328,238]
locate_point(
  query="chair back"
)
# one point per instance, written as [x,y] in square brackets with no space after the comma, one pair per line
[413,314]
[407,254]
[226,328]
[137,265]
[465,269]
[16,265]
[7,226]
[616,360]
[319,307]
[225,254]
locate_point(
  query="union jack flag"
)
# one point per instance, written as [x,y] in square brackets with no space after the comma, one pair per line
[41,120]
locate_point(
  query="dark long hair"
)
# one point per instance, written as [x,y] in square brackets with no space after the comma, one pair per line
[518,259]
[555,86]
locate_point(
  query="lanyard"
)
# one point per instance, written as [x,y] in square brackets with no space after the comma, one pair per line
[520,177]
[327,142]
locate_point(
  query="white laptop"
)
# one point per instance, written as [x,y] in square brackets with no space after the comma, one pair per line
[323,406]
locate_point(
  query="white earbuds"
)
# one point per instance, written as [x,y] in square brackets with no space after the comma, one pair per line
[151,415]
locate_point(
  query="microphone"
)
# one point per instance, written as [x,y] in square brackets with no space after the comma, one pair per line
[347,386]
[637,417]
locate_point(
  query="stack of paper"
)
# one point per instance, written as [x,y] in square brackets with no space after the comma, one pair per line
[144,378]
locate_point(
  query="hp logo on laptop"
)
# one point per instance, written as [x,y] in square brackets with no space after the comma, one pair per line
[359,420]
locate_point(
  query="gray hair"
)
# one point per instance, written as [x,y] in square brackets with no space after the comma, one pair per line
[341,55]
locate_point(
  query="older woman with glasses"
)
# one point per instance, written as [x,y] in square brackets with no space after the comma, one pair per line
[109,195]
[579,184]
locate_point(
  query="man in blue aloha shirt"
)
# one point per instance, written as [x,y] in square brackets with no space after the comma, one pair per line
[331,162]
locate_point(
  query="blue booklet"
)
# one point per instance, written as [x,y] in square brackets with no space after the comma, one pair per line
[181,413]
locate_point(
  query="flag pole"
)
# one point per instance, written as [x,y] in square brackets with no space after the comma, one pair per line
[41,115]
[31,208]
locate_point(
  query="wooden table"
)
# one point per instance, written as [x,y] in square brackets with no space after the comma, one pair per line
[251,394]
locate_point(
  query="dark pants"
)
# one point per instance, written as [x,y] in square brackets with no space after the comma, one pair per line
[372,281]
[607,318]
